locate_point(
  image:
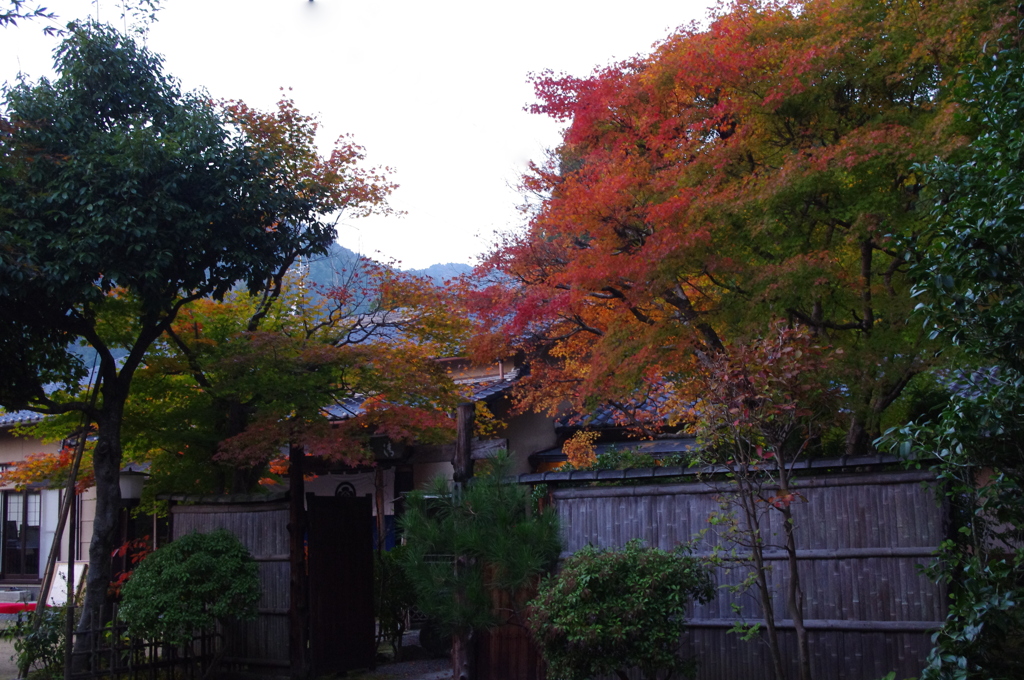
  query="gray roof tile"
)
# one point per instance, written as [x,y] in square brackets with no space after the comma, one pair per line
[479,390]
[19,418]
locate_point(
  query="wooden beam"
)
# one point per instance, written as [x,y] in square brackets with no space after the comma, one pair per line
[298,607]
[462,461]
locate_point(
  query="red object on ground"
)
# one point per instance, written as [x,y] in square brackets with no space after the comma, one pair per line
[16,607]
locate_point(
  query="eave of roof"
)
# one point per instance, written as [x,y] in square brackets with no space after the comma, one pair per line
[19,418]
[480,389]
[654,447]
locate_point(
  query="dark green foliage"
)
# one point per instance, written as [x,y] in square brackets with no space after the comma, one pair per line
[611,610]
[505,544]
[974,265]
[112,178]
[189,585]
[973,274]
[121,200]
[393,595]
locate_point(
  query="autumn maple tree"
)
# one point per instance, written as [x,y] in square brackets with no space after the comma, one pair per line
[755,170]
[233,382]
[761,408]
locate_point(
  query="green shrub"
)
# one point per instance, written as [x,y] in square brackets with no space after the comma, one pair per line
[394,596]
[189,585]
[611,610]
[463,547]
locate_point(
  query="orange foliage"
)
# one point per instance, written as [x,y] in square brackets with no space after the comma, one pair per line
[579,449]
[757,169]
[50,468]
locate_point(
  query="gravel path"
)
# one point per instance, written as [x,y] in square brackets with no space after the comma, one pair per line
[8,669]
[427,669]
[423,669]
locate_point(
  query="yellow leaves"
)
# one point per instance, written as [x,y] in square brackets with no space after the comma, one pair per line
[579,449]
[485,424]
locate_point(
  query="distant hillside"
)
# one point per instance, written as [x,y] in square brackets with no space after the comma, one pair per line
[334,268]
[440,272]
[340,263]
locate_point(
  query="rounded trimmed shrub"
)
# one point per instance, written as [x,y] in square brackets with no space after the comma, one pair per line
[611,610]
[189,585]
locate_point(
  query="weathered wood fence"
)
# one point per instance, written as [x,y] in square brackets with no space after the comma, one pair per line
[340,570]
[862,531]
[262,527]
[114,655]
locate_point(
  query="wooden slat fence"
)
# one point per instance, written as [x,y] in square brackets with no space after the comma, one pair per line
[259,646]
[861,537]
[113,655]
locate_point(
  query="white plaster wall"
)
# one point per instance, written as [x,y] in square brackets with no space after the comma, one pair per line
[18,448]
[327,485]
[423,473]
[49,514]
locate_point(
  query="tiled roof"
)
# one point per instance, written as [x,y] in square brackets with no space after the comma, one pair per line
[485,390]
[479,390]
[608,416]
[348,408]
[654,447]
[19,418]
[12,418]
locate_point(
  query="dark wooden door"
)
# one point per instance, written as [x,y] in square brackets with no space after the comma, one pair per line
[341,634]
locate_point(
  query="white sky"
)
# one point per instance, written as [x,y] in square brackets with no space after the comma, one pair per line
[434,90]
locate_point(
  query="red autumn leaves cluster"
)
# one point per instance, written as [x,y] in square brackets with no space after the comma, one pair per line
[757,170]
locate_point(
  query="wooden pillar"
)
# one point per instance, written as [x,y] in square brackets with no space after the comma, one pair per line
[69,603]
[463,650]
[378,498]
[463,460]
[298,611]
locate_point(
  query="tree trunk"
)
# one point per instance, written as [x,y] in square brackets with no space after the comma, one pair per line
[748,502]
[298,612]
[795,593]
[107,469]
[462,462]
[857,439]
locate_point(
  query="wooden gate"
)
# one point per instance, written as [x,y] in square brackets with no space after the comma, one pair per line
[341,623]
[340,567]
[508,651]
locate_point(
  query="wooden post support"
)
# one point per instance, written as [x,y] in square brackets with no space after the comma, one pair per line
[298,611]
[379,508]
[462,640]
[72,592]
[463,459]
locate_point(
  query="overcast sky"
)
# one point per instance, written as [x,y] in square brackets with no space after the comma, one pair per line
[435,90]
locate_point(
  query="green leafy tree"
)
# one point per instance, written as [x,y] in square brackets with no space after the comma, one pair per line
[972,275]
[16,10]
[189,585]
[608,611]
[123,199]
[461,546]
